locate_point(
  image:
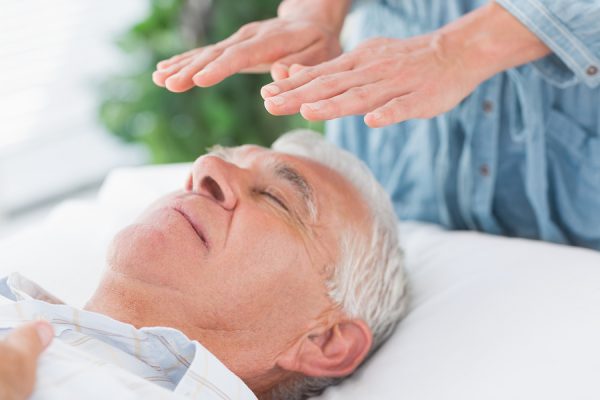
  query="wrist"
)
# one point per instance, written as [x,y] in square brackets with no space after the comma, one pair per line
[330,13]
[490,40]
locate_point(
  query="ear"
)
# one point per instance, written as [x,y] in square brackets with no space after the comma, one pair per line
[335,352]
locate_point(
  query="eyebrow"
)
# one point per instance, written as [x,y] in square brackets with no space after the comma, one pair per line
[300,184]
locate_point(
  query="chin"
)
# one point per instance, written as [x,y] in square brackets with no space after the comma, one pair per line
[148,252]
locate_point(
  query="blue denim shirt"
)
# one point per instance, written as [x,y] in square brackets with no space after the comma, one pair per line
[521,155]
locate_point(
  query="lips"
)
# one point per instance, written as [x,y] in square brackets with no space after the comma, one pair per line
[194,224]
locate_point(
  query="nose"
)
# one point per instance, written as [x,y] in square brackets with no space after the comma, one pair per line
[216,179]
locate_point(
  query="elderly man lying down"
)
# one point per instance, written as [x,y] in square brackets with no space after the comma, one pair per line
[272,274]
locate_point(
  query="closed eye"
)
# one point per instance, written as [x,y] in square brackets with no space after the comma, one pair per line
[275,199]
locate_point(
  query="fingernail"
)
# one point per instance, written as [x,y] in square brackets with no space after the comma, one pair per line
[272,90]
[376,115]
[314,106]
[45,332]
[277,100]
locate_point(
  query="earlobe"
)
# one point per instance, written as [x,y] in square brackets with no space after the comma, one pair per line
[335,352]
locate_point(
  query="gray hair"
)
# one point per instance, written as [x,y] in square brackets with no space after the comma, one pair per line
[368,281]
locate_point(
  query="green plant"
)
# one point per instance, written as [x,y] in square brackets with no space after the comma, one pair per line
[180,126]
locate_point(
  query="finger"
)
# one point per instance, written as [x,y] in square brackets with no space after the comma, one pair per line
[182,75]
[306,75]
[397,110]
[24,345]
[31,339]
[165,64]
[321,88]
[184,79]
[234,59]
[356,100]
[159,77]
[243,33]
[295,68]
[257,69]
[280,69]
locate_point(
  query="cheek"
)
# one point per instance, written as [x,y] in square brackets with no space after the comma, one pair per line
[271,280]
[157,253]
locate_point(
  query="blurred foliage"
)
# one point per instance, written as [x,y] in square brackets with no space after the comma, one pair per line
[180,126]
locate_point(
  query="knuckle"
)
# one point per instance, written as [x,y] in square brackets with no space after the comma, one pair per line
[248,28]
[399,107]
[359,92]
[234,57]
[367,44]
[385,65]
[332,107]
[327,81]
[308,74]
[312,73]
[212,50]
[228,52]
[386,114]
[346,61]
[209,53]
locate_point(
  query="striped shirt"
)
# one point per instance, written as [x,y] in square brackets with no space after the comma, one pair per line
[94,356]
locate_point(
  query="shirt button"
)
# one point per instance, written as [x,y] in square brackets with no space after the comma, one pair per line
[484,170]
[592,70]
[488,106]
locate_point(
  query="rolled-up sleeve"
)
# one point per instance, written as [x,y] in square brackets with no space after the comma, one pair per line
[571,29]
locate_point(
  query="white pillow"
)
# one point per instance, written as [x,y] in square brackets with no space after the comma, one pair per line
[65,253]
[490,317]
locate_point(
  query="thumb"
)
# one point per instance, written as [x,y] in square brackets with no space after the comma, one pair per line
[295,68]
[31,339]
[279,71]
[309,56]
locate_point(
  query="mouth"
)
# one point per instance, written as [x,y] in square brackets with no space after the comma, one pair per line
[194,226]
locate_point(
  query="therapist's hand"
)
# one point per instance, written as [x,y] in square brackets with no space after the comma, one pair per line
[19,353]
[389,80]
[304,32]
[256,47]
[392,80]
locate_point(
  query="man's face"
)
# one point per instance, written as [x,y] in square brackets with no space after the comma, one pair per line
[239,259]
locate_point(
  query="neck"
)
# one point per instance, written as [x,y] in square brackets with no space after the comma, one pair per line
[142,305]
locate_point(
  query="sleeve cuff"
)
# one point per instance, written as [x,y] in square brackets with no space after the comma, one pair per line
[571,62]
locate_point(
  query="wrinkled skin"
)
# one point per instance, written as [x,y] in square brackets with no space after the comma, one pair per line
[237,262]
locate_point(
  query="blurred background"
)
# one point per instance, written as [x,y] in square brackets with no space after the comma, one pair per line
[77,99]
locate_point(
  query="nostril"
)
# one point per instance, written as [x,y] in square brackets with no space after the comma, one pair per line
[213,188]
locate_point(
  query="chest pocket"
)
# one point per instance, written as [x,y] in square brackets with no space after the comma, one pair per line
[573,168]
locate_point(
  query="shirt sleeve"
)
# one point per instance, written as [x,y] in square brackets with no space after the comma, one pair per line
[571,29]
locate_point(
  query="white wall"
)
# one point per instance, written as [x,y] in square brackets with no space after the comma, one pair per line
[53,55]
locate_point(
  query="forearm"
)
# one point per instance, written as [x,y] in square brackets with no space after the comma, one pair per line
[330,13]
[490,40]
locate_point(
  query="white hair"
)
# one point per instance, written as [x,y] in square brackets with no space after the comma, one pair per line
[368,280]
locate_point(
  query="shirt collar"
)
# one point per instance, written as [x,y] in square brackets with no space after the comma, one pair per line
[201,375]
